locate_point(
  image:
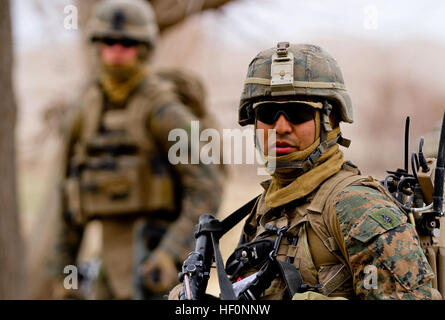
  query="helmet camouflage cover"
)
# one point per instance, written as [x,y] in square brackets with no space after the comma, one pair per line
[294,70]
[124,19]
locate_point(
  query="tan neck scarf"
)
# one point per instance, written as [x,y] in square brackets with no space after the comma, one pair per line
[119,81]
[289,184]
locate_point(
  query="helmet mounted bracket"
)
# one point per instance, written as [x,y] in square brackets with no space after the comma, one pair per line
[282,71]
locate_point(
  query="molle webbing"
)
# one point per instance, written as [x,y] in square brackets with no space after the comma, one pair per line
[119,156]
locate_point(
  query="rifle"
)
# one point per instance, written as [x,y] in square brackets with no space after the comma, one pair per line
[196,268]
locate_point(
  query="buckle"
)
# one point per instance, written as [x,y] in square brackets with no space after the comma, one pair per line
[282,48]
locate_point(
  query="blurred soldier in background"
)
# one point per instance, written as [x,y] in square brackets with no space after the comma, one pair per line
[116,161]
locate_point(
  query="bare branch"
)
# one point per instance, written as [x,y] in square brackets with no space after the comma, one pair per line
[171,12]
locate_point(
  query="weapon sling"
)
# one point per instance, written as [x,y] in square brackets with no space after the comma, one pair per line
[218,228]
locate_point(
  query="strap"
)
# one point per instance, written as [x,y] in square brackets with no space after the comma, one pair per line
[217,229]
[292,277]
[324,119]
[222,227]
[307,164]
[228,223]
[331,244]
[92,104]
[340,277]
[235,217]
[319,201]
[225,285]
[343,184]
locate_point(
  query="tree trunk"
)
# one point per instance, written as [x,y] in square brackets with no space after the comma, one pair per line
[11,247]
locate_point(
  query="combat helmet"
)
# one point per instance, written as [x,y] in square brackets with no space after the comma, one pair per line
[124,19]
[294,70]
[301,72]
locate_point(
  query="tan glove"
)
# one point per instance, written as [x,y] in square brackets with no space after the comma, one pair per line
[309,295]
[174,293]
[159,272]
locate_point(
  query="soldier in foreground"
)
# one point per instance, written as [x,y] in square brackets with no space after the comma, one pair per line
[117,167]
[320,230]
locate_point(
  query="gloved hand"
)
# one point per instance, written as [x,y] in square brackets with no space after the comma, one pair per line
[159,272]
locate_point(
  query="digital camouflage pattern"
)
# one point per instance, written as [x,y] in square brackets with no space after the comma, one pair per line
[369,230]
[316,75]
[376,233]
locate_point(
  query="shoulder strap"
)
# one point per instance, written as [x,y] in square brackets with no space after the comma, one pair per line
[332,186]
[91,109]
[189,89]
[235,217]
[217,229]
[322,222]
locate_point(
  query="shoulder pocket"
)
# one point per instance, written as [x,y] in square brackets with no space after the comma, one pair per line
[375,222]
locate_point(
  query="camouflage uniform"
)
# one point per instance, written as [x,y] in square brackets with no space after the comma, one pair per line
[360,227]
[117,167]
[346,227]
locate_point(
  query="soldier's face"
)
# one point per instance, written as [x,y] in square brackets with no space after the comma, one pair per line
[118,53]
[289,137]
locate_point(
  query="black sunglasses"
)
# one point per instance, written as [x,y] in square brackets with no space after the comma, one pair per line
[294,112]
[124,42]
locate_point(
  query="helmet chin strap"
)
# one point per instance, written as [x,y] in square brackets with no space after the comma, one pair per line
[308,163]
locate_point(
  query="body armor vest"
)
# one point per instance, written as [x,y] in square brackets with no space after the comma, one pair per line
[313,243]
[116,167]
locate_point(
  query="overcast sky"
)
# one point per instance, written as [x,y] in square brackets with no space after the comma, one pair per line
[244,21]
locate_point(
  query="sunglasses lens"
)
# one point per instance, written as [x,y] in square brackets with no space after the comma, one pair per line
[294,112]
[109,42]
[124,42]
[128,43]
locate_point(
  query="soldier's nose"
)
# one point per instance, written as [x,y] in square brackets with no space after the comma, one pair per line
[282,125]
